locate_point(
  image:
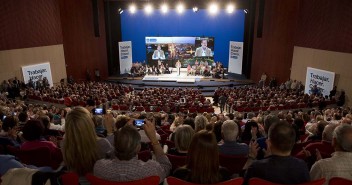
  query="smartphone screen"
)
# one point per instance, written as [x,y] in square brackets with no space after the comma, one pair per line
[138,122]
[98,111]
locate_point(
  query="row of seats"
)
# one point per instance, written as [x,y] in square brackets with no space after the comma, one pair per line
[72,179]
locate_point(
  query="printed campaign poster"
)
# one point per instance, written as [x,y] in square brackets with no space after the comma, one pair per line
[323,79]
[36,72]
[125,53]
[235,57]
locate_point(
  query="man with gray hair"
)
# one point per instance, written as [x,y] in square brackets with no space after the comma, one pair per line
[229,131]
[340,164]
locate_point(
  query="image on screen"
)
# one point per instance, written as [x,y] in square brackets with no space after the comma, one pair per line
[168,50]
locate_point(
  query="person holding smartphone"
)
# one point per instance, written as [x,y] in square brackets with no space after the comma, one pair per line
[127,167]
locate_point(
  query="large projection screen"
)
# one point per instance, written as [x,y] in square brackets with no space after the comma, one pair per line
[187,50]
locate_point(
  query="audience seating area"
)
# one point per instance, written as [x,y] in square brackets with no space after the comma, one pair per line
[176,103]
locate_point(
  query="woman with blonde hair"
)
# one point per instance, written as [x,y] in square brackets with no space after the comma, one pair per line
[81,146]
[200,123]
[177,122]
[183,138]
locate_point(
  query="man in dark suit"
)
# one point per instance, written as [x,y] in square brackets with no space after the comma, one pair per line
[222,102]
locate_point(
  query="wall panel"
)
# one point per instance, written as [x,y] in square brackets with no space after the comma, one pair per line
[29,23]
[83,51]
[273,52]
[13,60]
[337,62]
[325,24]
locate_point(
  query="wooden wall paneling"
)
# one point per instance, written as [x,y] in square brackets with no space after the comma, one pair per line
[82,49]
[273,52]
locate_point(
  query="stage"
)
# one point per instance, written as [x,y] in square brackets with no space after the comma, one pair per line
[206,84]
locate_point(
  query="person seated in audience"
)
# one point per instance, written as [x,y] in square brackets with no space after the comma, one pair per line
[183,138]
[22,118]
[230,146]
[81,147]
[47,131]
[340,164]
[324,146]
[202,165]
[279,167]
[126,167]
[200,123]
[318,131]
[251,132]
[177,122]
[8,134]
[99,126]
[33,132]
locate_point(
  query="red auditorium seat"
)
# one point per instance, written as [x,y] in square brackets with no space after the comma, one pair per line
[70,179]
[144,155]
[38,157]
[233,163]
[340,181]
[177,161]
[169,144]
[153,180]
[175,181]
[258,181]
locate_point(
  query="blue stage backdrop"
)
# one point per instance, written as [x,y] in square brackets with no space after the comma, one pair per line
[223,27]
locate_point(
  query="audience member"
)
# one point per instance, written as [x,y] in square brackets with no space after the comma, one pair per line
[183,138]
[127,167]
[8,134]
[81,146]
[202,166]
[230,146]
[279,167]
[340,164]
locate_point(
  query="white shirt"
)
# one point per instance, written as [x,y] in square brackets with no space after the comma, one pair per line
[339,165]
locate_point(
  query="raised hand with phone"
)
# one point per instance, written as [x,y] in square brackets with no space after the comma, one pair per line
[149,129]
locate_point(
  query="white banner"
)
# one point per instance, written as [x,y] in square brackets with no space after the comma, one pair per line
[36,72]
[163,40]
[125,53]
[235,57]
[323,79]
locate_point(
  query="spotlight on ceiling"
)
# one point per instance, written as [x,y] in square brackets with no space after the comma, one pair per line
[245,10]
[213,8]
[195,9]
[132,8]
[164,8]
[180,8]
[148,9]
[230,8]
[120,11]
